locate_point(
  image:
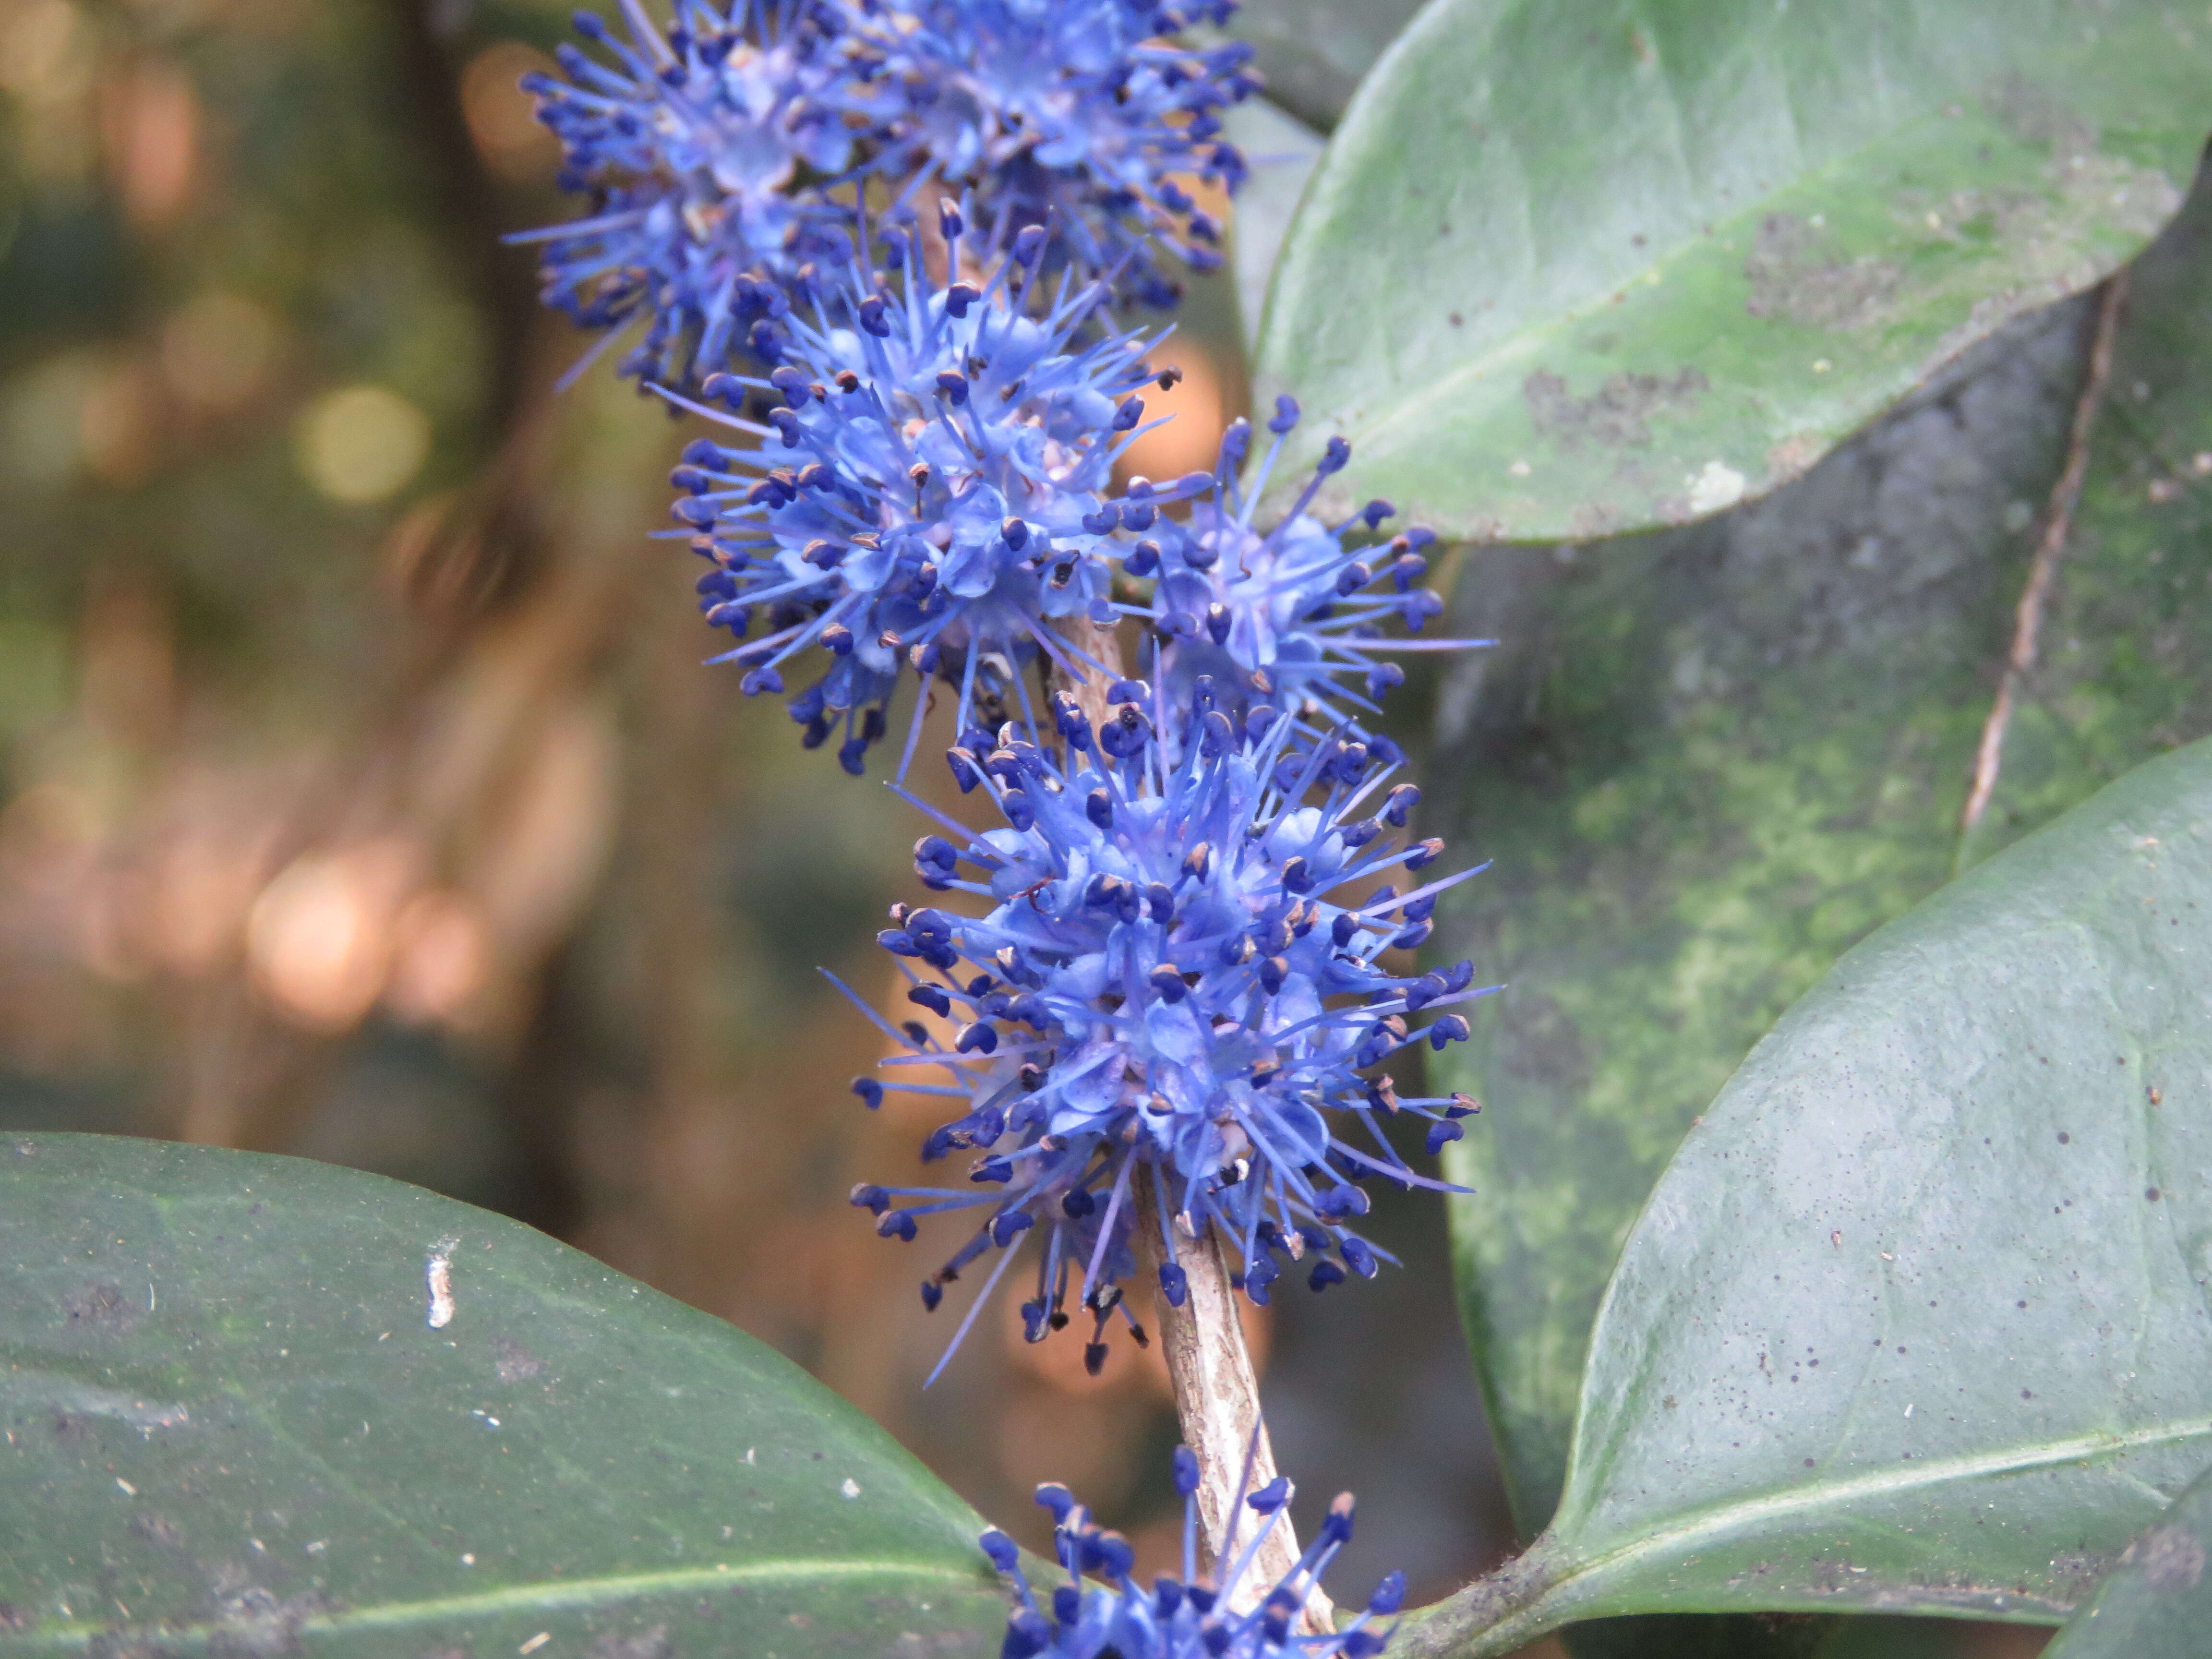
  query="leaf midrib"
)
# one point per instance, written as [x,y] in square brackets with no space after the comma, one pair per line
[1496,1615]
[544,1595]
[1719,1520]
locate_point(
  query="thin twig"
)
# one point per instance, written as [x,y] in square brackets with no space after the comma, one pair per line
[2057,523]
[1217,1392]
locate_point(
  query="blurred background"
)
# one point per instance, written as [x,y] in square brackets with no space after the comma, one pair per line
[363,795]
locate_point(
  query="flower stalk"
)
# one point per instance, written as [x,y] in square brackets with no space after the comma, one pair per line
[1209,1370]
[1217,1397]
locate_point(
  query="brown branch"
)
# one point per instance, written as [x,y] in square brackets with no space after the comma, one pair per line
[1217,1392]
[1217,1395]
[2057,523]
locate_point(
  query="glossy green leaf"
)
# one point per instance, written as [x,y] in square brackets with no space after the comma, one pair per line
[1696,796]
[1704,764]
[1708,761]
[1314,52]
[1569,270]
[2157,1601]
[1916,1319]
[235,1424]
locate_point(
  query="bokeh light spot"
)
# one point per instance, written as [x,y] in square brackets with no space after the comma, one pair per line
[443,956]
[46,52]
[1190,440]
[359,444]
[150,121]
[320,936]
[503,118]
[217,350]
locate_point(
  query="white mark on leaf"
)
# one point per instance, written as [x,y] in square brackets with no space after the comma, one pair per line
[438,1271]
[1714,486]
[850,1489]
[74,1399]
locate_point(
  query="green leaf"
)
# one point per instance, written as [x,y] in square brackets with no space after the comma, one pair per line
[1314,52]
[2157,1604]
[1709,760]
[1568,269]
[1704,763]
[1916,1320]
[2124,665]
[1281,151]
[233,1427]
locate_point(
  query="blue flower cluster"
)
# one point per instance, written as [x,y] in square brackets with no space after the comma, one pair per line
[1171,1002]
[708,152]
[1078,113]
[1184,1618]
[932,491]
[1167,1009]
[1292,617]
[723,153]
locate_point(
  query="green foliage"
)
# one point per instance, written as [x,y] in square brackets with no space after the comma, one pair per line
[1284,151]
[1316,53]
[1707,762]
[1569,270]
[2157,1604]
[233,1426]
[1913,1322]
[2124,667]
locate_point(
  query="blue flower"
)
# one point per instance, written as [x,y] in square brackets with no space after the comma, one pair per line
[1172,1001]
[1075,112]
[1293,618]
[931,495]
[1107,1612]
[707,152]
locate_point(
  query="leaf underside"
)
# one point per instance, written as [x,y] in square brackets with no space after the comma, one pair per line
[1566,270]
[231,1426]
[1281,151]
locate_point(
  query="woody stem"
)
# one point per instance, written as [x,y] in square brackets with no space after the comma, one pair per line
[1217,1392]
